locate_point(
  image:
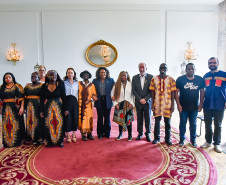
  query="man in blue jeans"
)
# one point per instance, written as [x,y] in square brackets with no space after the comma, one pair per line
[214,103]
[189,86]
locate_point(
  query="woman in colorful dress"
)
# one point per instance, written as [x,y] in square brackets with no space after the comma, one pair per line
[54,108]
[87,93]
[12,95]
[34,124]
[71,87]
[123,103]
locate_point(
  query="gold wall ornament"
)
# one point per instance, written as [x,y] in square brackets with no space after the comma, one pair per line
[190,53]
[101,54]
[13,54]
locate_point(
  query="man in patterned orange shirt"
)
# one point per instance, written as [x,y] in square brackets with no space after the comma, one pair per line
[163,89]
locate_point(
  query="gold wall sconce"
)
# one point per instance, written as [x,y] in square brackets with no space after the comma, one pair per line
[13,54]
[190,54]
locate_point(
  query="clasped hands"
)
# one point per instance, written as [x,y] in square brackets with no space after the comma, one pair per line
[143,101]
[94,97]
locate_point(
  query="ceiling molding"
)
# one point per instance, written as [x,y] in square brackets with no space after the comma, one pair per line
[109,2]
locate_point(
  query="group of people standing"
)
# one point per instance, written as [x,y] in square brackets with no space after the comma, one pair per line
[54,108]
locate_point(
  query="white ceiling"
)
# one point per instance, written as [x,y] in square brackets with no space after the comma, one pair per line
[151,2]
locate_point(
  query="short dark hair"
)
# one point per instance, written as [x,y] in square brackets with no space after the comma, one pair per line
[212,58]
[36,73]
[98,72]
[189,64]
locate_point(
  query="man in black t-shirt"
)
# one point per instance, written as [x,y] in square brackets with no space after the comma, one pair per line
[188,105]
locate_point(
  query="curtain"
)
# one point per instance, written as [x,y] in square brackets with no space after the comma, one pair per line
[222,34]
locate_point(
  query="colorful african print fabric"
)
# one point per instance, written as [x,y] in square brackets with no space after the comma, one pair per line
[34,125]
[85,123]
[163,88]
[123,116]
[13,130]
[53,108]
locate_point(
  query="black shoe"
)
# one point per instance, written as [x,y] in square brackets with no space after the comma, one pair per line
[148,138]
[100,137]
[49,145]
[130,138]
[194,144]
[155,141]
[89,136]
[119,137]
[35,143]
[139,137]
[181,143]
[168,143]
[107,136]
[61,145]
[41,142]
[84,138]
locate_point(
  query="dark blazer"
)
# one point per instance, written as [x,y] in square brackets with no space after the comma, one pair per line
[109,82]
[137,90]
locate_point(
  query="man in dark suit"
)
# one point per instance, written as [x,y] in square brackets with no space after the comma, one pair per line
[140,88]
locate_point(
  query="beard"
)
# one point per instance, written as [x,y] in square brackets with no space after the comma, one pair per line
[212,68]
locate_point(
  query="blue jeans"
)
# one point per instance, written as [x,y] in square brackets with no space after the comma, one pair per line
[218,116]
[184,115]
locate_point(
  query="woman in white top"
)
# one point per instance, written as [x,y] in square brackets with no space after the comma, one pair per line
[71,88]
[123,101]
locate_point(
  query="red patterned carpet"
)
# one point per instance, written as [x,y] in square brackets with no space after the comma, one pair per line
[108,161]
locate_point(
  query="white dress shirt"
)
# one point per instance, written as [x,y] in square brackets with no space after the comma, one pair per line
[142,80]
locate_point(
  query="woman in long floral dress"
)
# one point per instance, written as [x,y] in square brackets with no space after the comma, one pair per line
[12,95]
[34,124]
[53,108]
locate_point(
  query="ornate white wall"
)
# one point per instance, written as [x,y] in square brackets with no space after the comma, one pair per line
[58,36]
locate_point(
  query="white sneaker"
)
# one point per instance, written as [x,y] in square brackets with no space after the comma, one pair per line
[218,148]
[206,145]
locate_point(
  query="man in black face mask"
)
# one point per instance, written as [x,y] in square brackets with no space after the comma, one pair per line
[214,103]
